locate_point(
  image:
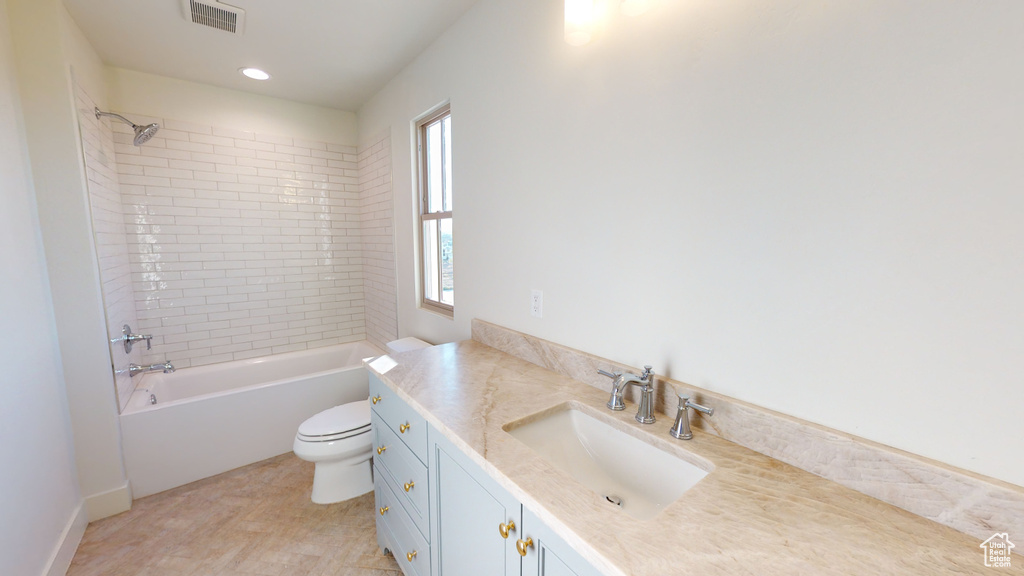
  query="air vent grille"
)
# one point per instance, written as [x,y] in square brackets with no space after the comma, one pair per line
[215,15]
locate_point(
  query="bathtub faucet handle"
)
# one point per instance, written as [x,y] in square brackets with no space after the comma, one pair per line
[128,338]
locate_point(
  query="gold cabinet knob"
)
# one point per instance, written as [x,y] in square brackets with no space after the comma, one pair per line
[504,529]
[383,510]
[409,485]
[375,399]
[381,449]
[410,556]
[402,428]
[522,545]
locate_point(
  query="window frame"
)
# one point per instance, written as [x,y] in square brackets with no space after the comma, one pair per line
[424,215]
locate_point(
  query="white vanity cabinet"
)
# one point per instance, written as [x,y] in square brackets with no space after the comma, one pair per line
[481,529]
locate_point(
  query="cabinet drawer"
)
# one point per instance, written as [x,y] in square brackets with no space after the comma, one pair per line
[401,468]
[400,417]
[408,546]
[385,539]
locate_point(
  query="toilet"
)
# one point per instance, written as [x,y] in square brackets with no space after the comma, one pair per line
[339,440]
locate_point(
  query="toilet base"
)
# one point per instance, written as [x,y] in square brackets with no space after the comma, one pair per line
[338,481]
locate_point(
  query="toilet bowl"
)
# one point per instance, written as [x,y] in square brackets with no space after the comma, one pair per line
[339,441]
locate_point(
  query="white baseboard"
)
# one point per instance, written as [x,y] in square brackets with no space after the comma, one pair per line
[69,540]
[104,504]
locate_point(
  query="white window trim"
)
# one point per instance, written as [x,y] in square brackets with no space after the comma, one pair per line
[441,308]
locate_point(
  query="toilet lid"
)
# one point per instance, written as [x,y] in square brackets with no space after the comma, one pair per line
[354,416]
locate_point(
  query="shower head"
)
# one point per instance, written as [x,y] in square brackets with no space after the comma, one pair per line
[142,133]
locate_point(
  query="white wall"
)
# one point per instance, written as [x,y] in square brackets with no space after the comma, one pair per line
[814,207]
[39,496]
[139,93]
[46,47]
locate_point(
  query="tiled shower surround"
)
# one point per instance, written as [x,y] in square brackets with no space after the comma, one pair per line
[111,244]
[379,281]
[242,244]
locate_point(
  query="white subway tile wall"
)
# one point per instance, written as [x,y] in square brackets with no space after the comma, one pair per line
[378,241]
[111,239]
[241,244]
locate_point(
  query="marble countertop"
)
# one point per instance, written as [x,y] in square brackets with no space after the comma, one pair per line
[751,514]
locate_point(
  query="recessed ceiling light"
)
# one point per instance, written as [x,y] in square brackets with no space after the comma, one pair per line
[254,73]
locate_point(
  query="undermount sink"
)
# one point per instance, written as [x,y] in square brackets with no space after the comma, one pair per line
[626,471]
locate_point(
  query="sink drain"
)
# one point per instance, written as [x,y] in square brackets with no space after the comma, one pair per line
[614,500]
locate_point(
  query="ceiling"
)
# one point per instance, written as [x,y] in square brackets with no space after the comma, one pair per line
[332,53]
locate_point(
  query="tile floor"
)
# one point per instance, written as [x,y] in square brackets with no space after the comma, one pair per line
[256,520]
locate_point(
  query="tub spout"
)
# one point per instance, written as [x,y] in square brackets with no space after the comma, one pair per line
[135,369]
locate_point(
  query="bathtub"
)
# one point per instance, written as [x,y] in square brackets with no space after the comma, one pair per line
[211,419]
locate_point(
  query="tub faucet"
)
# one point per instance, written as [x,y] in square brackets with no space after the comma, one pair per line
[135,369]
[645,411]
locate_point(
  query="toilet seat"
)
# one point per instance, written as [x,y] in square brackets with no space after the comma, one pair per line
[338,423]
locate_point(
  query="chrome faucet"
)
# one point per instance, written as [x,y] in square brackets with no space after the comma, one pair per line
[129,339]
[681,429]
[135,369]
[645,411]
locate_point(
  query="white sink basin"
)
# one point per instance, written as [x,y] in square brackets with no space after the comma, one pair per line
[625,470]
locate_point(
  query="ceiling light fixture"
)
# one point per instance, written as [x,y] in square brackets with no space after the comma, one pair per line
[579,21]
[254,73]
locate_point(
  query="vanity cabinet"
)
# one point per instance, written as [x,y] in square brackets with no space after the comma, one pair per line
[466,509]
[480,528]
[440,514]
[550,555]
[400,479]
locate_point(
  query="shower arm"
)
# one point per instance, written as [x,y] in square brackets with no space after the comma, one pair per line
[100,113]
[142,133]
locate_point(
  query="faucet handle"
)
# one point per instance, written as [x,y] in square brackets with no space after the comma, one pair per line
[681,428]
[612,375]
[647,372]
[685,403]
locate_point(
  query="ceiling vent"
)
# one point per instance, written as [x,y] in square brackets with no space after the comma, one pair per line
[215,15]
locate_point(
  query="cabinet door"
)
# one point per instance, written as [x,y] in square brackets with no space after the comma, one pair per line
[466,510]
[550,555]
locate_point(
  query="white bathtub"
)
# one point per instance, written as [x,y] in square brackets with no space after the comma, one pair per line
[211,419]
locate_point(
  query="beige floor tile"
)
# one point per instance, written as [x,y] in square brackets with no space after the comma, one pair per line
[253,521]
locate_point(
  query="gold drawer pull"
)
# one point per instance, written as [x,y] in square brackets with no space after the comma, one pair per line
[381,449]
[383,510]
[521,545]
[504,529]
[375,399]
[402,428]
[409,485]
[410,556]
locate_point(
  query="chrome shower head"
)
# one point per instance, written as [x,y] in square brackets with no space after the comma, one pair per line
[142,133]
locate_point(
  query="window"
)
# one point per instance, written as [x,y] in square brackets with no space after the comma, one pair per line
[434,145]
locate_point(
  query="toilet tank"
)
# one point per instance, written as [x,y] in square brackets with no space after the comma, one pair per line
[406,344]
